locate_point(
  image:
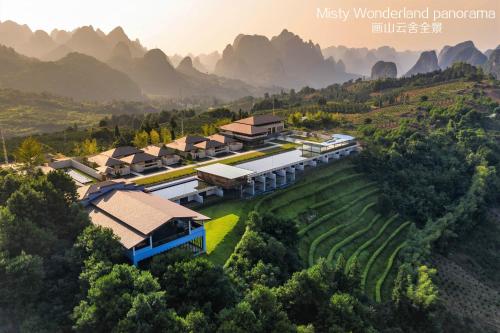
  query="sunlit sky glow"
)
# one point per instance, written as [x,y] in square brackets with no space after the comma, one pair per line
[196,26]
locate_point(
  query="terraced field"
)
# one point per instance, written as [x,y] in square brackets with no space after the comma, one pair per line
[335,210]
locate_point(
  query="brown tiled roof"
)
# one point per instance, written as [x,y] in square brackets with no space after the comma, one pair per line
[186,143]
[221,138]
[128,236]
[122,151]
[157,151]
[137,158]
[243,129]
[260,120]
[104,160]
[208,144]
[141,211]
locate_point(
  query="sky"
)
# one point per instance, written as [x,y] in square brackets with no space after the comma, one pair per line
[202,26]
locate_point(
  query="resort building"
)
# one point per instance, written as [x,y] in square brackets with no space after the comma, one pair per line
[145,224]
[253,129]
[162,153]
[185,146]
[212,147]
[271,172]
[109,166]
[141,161]
[121,161]
[232,144]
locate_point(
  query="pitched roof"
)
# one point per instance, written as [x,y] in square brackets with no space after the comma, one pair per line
[157,151]
[104,160]
[141,211]
[221,138]
[186,143]
[137,158]
[208,144]
[128,236]
[122,151]
[260,119]
[243,129]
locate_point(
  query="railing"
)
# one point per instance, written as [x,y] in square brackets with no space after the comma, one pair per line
[148,252]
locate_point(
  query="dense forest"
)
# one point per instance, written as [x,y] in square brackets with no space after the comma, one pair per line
[59,273]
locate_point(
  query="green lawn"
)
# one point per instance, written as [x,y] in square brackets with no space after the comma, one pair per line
[217,229]
[226,227]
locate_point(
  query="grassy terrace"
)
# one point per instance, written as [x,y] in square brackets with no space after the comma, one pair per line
[335,210]
[187,171]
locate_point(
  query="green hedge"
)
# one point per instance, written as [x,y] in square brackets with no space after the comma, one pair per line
[319,239]
[319,189]
[338,211]
[378,251]
[330,200]
[371,240]
[388,268]
[345,241]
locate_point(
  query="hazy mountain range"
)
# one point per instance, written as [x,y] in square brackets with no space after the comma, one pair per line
[284,60]
[88,64]
[361,60]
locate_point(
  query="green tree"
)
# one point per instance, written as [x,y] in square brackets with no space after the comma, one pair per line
[154,136]
[113,296]
[423,293]
[29,154]
[307,293]
[196,283]
[166,137]
[259,311]
[89,147]
[141,139]
[149,314]
[21,281]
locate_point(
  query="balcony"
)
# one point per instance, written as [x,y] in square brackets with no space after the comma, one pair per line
[194,240]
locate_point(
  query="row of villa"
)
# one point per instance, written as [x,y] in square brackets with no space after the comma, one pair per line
[121,161]
[152,220]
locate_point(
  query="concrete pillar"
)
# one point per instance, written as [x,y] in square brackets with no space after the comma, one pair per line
[272,177]
[198,198]
[260,183]
[299,167]
[250,188]
[323,158]
[290,173]
[280,177]
[219,192]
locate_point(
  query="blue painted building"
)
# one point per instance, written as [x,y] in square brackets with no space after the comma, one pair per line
[145,224]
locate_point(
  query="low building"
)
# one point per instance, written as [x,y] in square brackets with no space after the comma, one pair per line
[120,161]
[110,166]
[185,146]
[253,129]
[140,162]
[336,142]
[223,175]
[163,153]
[230,142]
[212,147]
[146,225]
[271,172]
